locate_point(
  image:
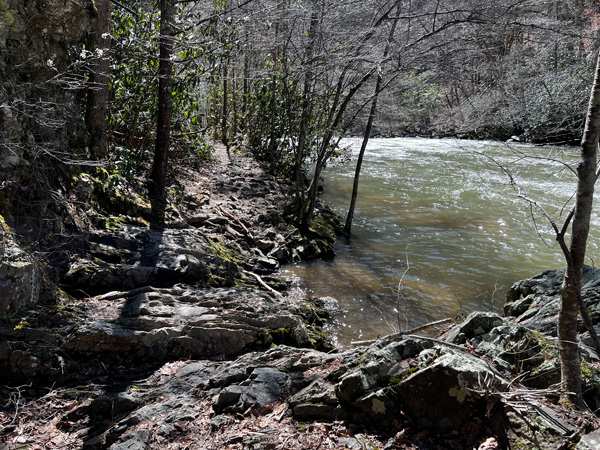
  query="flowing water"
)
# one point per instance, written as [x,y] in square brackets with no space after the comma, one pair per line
[438,229]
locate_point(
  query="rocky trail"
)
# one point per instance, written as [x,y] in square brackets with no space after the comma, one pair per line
[183,337]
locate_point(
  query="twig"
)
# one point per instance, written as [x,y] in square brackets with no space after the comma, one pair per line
[401,294]
[238,221]
[15,397]
[262,283]
[408,333]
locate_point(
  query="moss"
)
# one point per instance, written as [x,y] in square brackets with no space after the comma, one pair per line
[320,338]
[326,224]
[280,332]
[411,370]
[226,251]
[321,228]
[4,226]
[8,17]
[112,200]
[526,353]
[281,336]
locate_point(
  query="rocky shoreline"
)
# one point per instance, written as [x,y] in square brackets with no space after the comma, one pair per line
[184,337]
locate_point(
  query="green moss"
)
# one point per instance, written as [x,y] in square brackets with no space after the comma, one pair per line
[320,227]
[112,200]
[8,17]
[280,332]
[589,371]
[411,370]
[326,224]
[226,251]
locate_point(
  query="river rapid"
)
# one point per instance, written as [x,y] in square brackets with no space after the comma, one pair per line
[438,230]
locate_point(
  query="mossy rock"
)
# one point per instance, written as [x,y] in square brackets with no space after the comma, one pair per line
[116,223]
[326,224]
[110,200]
[227,251]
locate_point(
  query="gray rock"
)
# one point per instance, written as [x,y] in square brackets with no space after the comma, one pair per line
[476,324]
[262,389]
[441,395]
[19,283]
[589,441]
[136,440]
[317,401]
[220,420]
[111,405]
[536,301]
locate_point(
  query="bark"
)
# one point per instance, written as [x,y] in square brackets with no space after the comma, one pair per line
[571,288]
[98,84]
[158,176]
[246,87]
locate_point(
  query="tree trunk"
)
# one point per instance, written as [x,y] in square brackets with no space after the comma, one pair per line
[224,110]
[308,207]
[97,97]
[306,108]
[571,287]
[367,135]
[158,176]
[246,87]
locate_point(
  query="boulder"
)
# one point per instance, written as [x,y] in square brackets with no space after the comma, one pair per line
[317,401]
[475,325]
[19,286]
[446,393]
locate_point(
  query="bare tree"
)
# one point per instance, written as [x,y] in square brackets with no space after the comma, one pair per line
[578,219]
[571,300]
[367,134]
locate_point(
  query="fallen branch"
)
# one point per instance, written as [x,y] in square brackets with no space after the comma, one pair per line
[403,333]
[262,283]
[238,221]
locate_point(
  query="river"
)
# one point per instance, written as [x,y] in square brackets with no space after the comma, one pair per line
[438,230]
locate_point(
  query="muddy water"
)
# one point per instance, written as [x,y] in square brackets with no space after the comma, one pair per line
[439,220]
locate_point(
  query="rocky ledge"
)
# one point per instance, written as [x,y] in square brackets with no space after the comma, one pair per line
[182,337]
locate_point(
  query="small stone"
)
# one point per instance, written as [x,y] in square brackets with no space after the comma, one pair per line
[219,421]
[166,430]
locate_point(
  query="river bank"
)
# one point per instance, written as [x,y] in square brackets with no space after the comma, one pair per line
[183,337]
